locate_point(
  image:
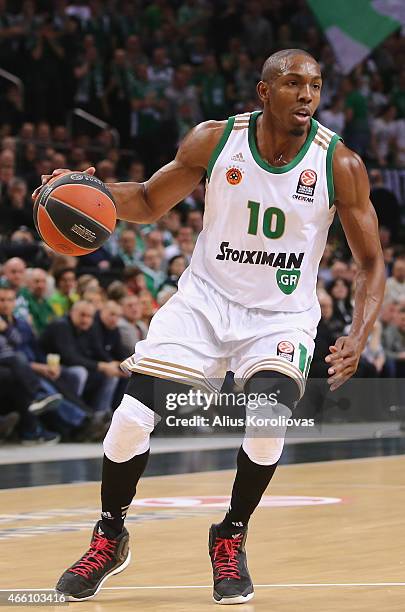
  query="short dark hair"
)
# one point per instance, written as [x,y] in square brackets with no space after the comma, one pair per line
[272,65]
[59,273]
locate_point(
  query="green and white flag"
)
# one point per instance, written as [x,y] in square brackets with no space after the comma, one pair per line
[355,27]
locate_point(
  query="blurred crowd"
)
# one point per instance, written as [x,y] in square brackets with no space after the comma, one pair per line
[147,69]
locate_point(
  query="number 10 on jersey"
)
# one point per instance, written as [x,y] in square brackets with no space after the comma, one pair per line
[273,220]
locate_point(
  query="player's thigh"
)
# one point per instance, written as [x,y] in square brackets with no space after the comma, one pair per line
[287,351]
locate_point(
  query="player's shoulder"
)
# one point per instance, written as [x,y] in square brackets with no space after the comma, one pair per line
[200,142]
[350,177]
[347,163]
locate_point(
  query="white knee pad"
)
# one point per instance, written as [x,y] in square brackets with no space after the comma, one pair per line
[264,451]
[130,430]
[265,432]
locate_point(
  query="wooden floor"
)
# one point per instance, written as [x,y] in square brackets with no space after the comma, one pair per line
[340,557]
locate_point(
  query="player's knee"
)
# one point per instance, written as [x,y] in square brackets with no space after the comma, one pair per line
[274,385]
[266,425]
[264,451]
[129,432]
[271,398]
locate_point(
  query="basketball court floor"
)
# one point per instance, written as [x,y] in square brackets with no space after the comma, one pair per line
[328,537]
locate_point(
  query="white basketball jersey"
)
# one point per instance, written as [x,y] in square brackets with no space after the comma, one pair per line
[265,227]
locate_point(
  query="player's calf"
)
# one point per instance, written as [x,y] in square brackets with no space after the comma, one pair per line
[256,463]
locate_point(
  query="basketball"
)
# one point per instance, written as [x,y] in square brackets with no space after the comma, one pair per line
[75,213]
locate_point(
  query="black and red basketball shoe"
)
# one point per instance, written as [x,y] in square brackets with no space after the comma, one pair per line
[104,558]
[232,582]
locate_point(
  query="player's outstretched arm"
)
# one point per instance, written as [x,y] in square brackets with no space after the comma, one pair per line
[146,202]
[360,225]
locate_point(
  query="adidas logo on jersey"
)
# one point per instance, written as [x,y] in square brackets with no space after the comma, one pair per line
[238,157]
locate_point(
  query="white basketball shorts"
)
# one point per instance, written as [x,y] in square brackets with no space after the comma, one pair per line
[198,335]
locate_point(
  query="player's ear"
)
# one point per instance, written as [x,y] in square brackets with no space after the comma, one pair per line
[263,91]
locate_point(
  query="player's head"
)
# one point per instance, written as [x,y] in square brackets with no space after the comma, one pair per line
[290,89]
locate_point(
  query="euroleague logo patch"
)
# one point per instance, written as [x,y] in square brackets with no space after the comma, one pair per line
[234,176]
[285,349]
[307,183]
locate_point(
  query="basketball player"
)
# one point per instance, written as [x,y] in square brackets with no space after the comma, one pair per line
[247,301]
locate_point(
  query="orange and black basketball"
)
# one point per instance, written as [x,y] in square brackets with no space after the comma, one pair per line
[75,213]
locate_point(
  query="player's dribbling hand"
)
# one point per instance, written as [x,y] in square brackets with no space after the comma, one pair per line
[343,359]
[45,178]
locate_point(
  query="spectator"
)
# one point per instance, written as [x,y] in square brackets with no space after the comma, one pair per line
[28,397]
[383,135]
[154,240]
[14,273]
[385,204]
[180,92]
[398,95]
[334,116]
[134,280]
[148,307]
[395,286]
[127,250]
[325,337]
[106,327]
[117,291]
[75,339]
[131,327]
[65,294]
[86,281]
[257,29]
[175,269]
[17,207]
[55,387]
[119,92]
[357,132]
[339,269]
[195,221]
[183,245]
[160,72]
[213,90]
[40,310]
[95,296]
[151,266]
[394,344]
[325,273]
[339,290]
[373,352]
[89,75]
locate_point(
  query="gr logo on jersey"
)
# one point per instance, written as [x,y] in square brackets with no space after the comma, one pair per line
[307,183]
[234,175]
[287,280]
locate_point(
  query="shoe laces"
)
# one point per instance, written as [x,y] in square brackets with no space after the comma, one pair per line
[224,557]
[100,552]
